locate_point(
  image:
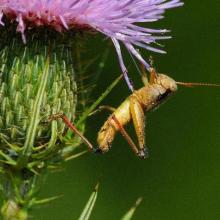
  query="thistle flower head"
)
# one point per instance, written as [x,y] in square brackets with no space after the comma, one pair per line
[115,19]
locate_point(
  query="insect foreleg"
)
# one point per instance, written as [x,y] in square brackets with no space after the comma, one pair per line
[106,107]
[153,75]
[144,75]
[137,115]
[101,108]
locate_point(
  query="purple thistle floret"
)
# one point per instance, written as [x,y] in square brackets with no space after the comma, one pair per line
[116,19]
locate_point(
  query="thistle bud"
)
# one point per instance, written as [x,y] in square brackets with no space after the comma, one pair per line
[37,80]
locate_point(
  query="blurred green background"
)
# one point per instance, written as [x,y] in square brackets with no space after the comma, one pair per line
[181,179]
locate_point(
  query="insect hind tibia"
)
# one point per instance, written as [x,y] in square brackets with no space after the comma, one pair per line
[142,153]
[71,126]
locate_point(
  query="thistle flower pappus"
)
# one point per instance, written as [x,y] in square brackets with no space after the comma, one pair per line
[116,19]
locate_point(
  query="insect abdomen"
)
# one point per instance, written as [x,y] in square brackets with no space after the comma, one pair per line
[107,132]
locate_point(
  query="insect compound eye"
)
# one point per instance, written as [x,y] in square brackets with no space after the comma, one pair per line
[163,96]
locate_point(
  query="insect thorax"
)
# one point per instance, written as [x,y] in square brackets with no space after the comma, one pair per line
[151,96]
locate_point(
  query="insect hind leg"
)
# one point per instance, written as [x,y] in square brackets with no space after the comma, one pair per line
[139,153]
[73,128]
[138,118]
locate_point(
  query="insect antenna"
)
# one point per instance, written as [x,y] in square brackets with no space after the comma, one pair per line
[192,84]
[136,65]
